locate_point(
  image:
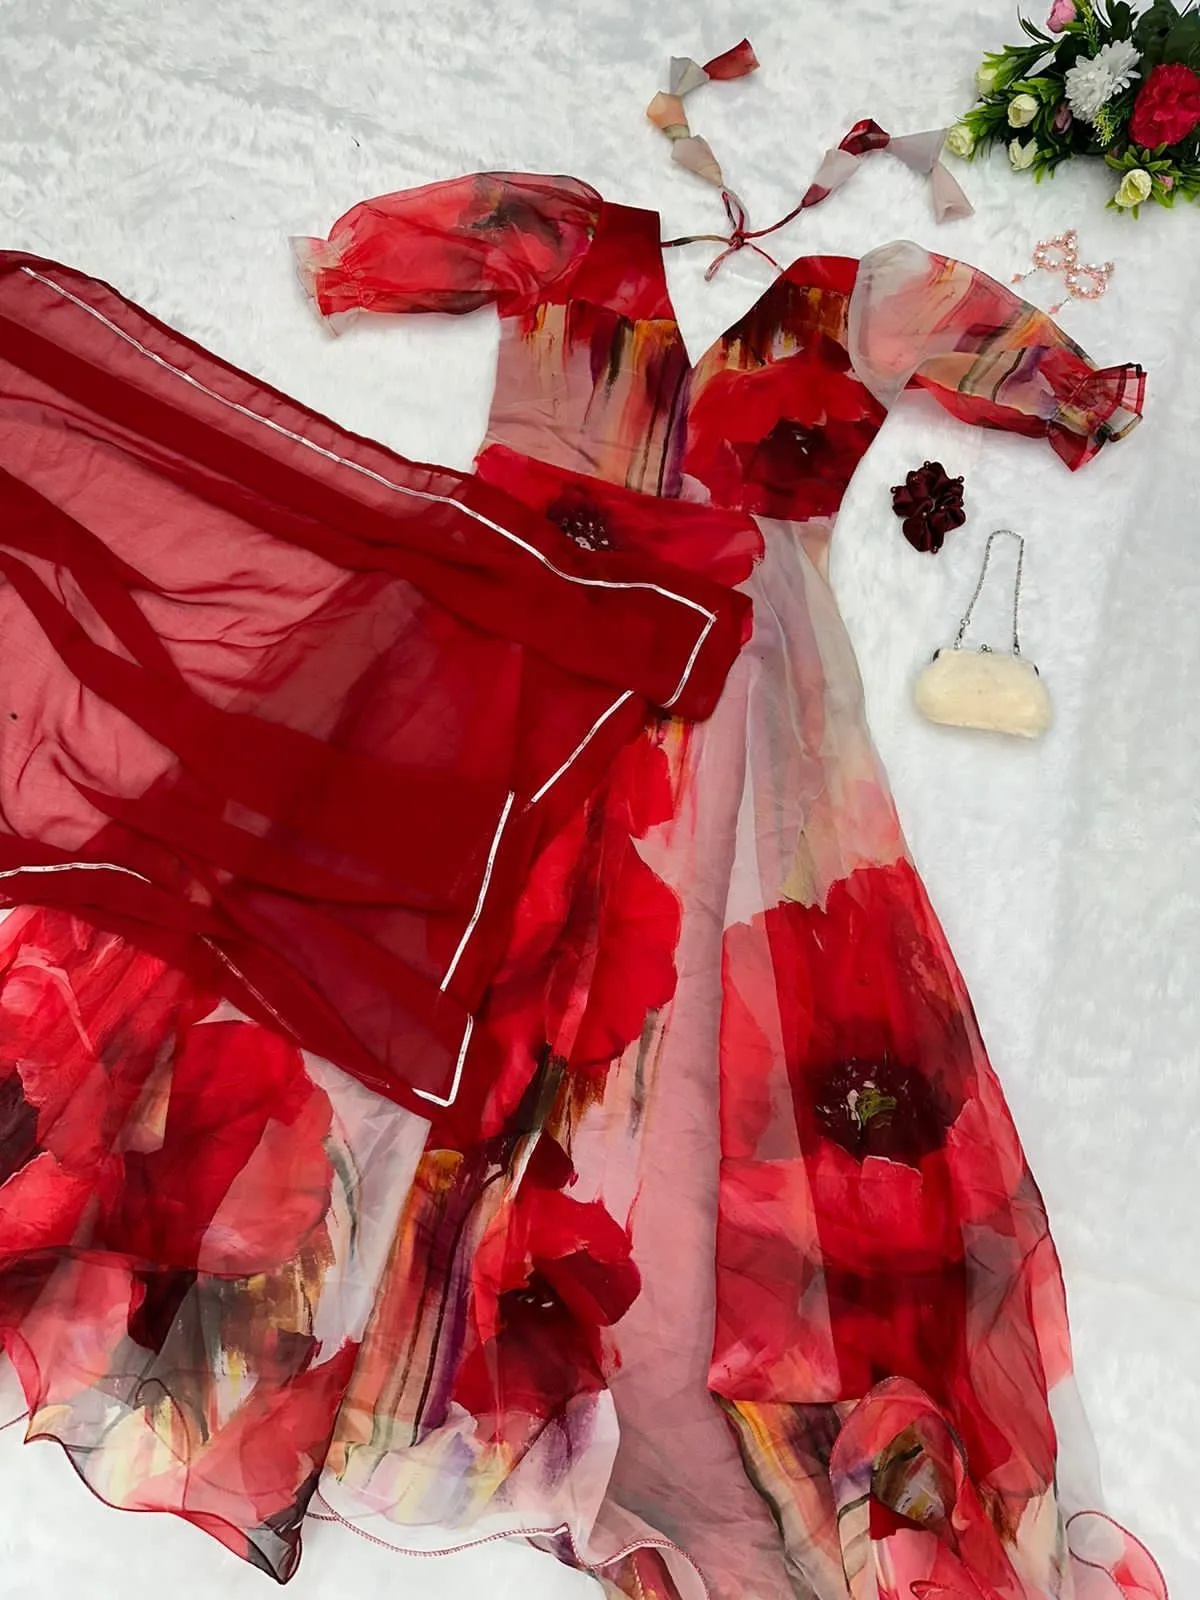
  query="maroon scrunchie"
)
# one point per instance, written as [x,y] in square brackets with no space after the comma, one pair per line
[931,503]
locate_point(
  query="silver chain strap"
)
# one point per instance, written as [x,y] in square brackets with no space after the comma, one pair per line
[987,556]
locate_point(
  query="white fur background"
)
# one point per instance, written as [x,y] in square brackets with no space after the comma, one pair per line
[171,146]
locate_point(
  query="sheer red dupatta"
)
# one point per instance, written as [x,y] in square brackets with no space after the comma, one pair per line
[283,707]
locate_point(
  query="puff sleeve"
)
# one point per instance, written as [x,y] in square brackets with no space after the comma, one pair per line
[919,320]
[493,238]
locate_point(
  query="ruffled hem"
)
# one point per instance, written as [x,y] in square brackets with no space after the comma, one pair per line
[641,1567]
[913,1521]
[1102,407]
[331,291]
[1105,1560]
[228,1534]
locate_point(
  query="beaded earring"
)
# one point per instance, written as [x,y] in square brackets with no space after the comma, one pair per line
[1084,280]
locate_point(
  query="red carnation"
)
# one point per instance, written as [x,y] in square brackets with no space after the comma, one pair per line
[1168,108]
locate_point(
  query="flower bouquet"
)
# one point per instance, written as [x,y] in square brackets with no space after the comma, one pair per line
[1100,80]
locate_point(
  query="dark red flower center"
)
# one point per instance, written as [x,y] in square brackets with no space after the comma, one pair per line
[794,438]
[537,1296]
[582,522]
[881,1107]
[788,451]
[152,1317]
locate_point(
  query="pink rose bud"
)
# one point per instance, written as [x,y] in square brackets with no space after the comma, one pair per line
[1061,12]
[1062,118]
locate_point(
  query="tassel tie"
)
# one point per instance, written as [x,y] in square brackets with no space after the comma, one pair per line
[666,109]
[921,152]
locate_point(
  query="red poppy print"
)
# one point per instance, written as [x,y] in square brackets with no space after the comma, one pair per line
[228,1271]
[241,1178]
[209,1158]
[633,974]
[550,1273]
[855,1257]
[273,1447]
[783,439]
[922,1527]
[722,544]
[592,955]
[41,1205]
[624,920]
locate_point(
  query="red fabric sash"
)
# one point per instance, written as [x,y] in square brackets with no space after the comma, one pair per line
[288,709]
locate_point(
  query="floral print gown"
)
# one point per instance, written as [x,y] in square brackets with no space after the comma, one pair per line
[729,1277]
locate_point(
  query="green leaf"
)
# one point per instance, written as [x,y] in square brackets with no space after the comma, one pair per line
[1183,40]
[1072,49]
[1120,20]
[987,120]
[1153,29]
[1048,90]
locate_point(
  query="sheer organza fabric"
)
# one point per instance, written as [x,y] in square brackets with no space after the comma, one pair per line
[723,1271]
[298,709]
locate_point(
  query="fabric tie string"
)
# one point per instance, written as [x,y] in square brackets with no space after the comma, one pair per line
[739,237]
[920,152]
[666,110]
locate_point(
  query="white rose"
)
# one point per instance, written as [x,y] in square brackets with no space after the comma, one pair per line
[986,78]
[1135,187]
[1022,155]
[960,141]
[1022,109]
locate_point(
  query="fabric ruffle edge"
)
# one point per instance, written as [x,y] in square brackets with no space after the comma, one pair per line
[1103,406]
[329,287]
[947,1545]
